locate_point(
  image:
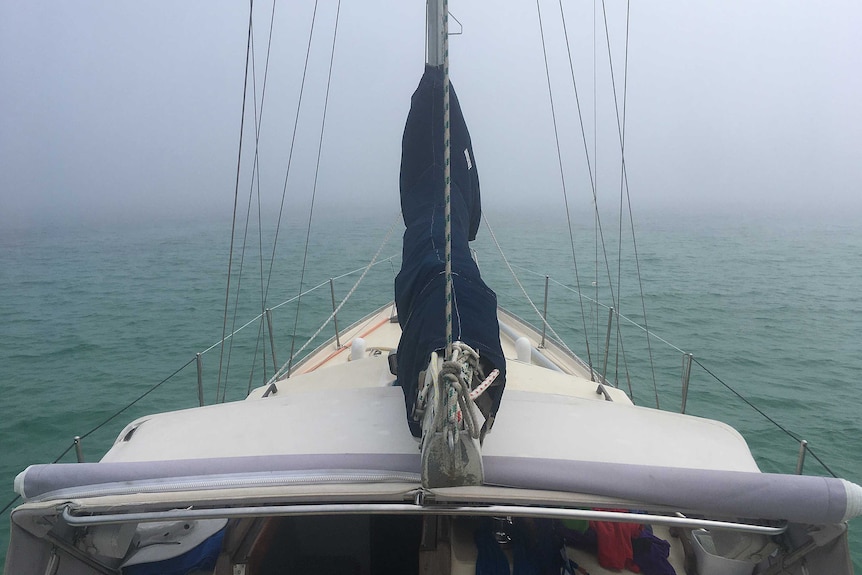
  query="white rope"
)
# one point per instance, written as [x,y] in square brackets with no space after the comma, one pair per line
[344,275]
[458,373]
[293,299]
[454,379]
[474,395]
[280,372]
[326,283]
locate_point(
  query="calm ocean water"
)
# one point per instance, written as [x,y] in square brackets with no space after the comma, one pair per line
[92,317]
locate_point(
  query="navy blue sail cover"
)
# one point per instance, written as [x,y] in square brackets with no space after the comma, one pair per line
[420,285]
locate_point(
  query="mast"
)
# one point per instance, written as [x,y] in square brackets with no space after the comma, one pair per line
[434,35]
[440,395]
[437,55]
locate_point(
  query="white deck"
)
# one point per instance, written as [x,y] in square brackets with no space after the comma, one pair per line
[334,405]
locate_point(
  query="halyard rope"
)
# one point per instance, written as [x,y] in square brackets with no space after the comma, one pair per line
[447,184]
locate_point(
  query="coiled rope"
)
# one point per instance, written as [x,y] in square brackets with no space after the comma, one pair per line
[460,378]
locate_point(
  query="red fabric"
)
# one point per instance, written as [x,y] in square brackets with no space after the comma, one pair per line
[615,544]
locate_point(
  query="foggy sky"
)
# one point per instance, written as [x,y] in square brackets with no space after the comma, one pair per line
[116,110]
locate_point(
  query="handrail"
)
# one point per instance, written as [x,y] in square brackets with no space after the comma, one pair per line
[413,509]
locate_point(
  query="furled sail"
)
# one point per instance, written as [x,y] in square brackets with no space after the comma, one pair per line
[420,285]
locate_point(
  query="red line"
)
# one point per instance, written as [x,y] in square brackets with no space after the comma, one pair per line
[342,348]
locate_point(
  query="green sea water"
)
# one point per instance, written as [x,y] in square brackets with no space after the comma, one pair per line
[92,317]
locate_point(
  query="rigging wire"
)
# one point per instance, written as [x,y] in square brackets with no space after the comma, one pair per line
[17,497]
[58,458]
[290,152]
[236,194]
[139,398]
[370,265]
[256,318]
[108,420]
[620,348]
[623,178]
[255,179]
[314,186]
[598,220]
[256,171]
[622,163]
[762,413]
[593,178]
[258,117]
[560,340]
[245,229]
[631,219]
[649,334]
[595,184]
[563,178]
[593,172]
[621,316]
[264,292]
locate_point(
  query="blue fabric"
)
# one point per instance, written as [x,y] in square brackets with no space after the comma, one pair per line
[651,554]
[490,559]
[201,558]
[535,549]
[420,284]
